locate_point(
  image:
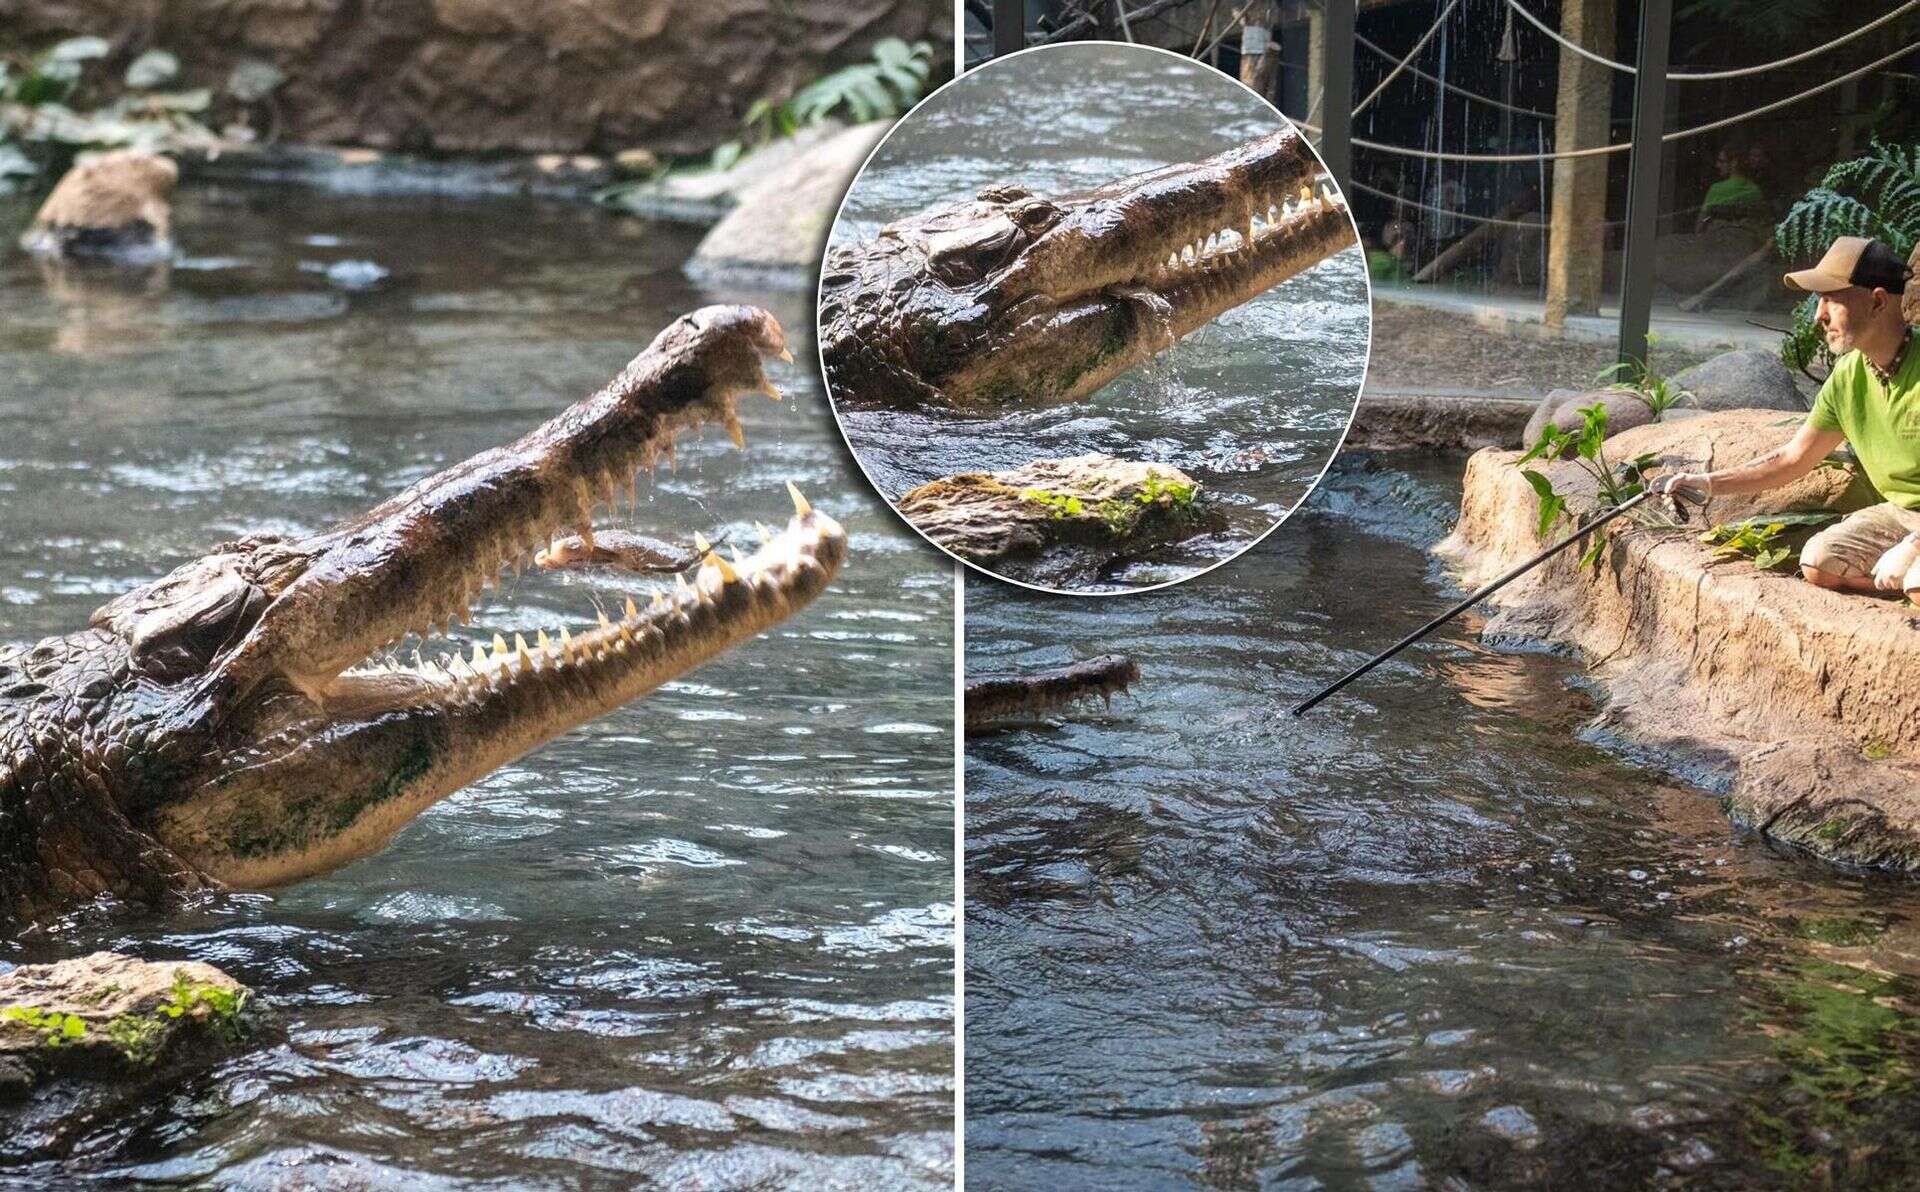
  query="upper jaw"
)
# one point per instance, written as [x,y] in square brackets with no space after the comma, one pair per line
[418,561]
[1122,234]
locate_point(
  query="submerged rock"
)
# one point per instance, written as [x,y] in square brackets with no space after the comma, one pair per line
[1748,379]
[1057,522]
[86,1041]
[114,206]
[1798,702]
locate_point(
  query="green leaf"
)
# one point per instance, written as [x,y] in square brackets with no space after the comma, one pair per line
[74,1027]
[1551,503]
[152,69]
[726,155]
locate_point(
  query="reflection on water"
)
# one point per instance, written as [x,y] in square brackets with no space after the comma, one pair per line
[1424,933]
[706,939]
[1251,405]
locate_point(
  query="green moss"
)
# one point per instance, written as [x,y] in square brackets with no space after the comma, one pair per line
[1830,831]
[224,1007]
[1837,930]
[56,1029]
[1062,504]
[138,1036]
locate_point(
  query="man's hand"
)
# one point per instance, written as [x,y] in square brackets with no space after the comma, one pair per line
[1694,482]
[1890,573]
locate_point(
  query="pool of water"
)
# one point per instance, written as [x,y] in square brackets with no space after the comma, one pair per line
[705,940]
[1425,934]
[1251,406]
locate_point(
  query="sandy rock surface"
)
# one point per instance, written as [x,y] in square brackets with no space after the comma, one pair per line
[1801,704]
[781,217]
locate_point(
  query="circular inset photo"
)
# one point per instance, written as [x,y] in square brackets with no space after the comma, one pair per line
[1094,318]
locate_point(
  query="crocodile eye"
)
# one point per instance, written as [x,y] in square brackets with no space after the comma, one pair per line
[964,256]
[182,636]
[1035,215]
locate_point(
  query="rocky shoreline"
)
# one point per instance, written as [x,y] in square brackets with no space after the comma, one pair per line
[1798,704]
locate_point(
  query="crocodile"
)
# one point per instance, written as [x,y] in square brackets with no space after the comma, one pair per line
[241,722]
[1012,297]
[992,699]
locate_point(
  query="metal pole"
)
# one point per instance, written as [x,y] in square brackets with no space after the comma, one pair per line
[1336,125]
[1306,704]
[1643,177]
[1009,26]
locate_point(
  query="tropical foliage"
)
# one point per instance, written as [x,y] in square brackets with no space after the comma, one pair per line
[1875,195]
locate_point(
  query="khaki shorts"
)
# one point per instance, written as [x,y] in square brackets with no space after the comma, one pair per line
[1854,545]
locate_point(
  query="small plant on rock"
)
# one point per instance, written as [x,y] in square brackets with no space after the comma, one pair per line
[56,1029]
[1615,485]
[1639,378]
[1759,538]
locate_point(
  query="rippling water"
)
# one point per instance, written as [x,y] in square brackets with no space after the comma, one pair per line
[706,939]
[1250,405]
[1425,934]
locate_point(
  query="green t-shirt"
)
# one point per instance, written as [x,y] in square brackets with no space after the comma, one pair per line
[1882,422]
[1736,192]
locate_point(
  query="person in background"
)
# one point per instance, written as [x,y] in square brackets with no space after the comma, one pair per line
[1736,197]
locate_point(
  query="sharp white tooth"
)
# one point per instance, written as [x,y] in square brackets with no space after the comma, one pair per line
[680,581]
[763,532]
[545,643]
[631,611]
[499,646]
[520,652]
[785,356]
[566,641]
[800,505]
[700,542]
[459,669]
[603,617]
[479,657]
[659,599]
[727,573]
[773,394]
[735,431]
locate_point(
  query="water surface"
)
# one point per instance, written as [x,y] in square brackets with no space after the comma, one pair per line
[706,939]
[1425,934]
[1251,406]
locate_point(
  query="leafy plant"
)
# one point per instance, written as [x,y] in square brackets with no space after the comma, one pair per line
[881,88]
[1757,537]
[1172,491]
[1615,485]
[40,124]
[1639,378]
[56,1029]
[223,1005]
[1875,195]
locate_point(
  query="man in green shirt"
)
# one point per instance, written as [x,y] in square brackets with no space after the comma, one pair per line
[1870,400]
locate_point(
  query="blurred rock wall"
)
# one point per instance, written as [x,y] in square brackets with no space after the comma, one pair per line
[672,76]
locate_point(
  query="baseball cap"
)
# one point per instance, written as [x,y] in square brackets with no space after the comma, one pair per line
[1853,261]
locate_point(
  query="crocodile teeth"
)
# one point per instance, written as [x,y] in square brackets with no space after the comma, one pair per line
[800,505]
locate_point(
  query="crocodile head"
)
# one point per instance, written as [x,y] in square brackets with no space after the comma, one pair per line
[1015,297]
[228,723]
[991,699]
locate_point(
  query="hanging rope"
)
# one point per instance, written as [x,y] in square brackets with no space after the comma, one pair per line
[1460,91]
[1602,150]
[1534,226]
[1412,54]
[1698,76]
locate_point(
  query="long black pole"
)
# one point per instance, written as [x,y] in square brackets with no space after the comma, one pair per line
[1336,73]
[1009,26]
[1472,600]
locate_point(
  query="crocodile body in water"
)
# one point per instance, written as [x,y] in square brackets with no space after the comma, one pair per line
[228,724]
[1011,297]
[992,700]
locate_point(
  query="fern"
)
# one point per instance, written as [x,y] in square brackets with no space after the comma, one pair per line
[1875,195]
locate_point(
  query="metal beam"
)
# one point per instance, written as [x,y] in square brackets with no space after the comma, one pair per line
[1009,26]
[1643,177]
[1336,127]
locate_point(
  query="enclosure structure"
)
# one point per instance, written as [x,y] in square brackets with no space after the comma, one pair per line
[1577,168]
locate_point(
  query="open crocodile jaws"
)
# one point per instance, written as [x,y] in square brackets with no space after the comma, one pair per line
[223,725]
[1012,297]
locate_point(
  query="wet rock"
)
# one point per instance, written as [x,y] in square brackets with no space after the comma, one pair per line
[1512,1123]
[1799,703]
[480,75]
[705,196]
[1561,408]
[1436,422]
[88,1041]
[1749,379]
[115,206]
[780,225]
[1057,522]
